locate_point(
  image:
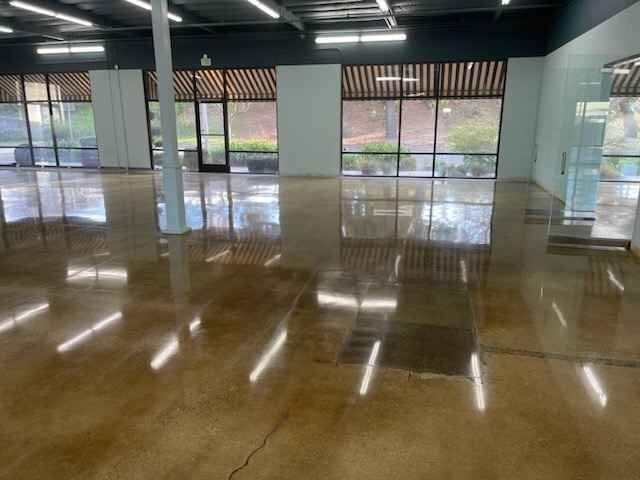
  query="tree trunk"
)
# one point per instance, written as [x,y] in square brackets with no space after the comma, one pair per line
[390,121]
[629,119]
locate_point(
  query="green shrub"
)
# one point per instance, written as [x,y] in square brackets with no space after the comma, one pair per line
[473,136]
[253,145]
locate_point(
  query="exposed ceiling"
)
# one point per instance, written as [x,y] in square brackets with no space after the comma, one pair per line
[117,18]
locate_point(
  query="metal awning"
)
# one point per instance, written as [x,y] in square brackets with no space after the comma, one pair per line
[627,84]
[182,84]
[10,88]
[70,87]
[425,80]
[473,79]
[251,84]
[210,84]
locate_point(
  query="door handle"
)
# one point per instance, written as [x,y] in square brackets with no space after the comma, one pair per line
[563,166]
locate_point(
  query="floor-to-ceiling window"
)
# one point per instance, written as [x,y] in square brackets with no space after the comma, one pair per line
[226,120]
[47,120]
[422,120]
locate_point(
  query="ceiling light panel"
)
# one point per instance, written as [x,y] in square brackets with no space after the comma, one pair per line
[147,6]
[50,13]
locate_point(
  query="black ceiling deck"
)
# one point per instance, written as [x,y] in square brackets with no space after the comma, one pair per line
[119,19]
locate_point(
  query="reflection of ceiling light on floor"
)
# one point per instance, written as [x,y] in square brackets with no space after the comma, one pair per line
[594,384]
[463,271]
[559,314]
[215,257]
[268,356]
[22,317]
[84,335]
[614,280]
[476,373]
[96,273]
[161,358]
[273,260]
[379,304]
[337,299]
[366,379]
[194,326]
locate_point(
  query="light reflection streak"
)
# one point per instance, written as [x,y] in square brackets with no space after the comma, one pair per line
[273,260]
[397,265]
[18,319]
[559,314]
[84,335]
[463,271]
[215,257]
[594,384]
[161,358]
[338,299]
[379,304]
[368,373]
[268,356]
[476,373]
[194,326]
[612,278]
[82,273]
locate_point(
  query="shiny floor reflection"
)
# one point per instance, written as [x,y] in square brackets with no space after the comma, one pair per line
[310,328]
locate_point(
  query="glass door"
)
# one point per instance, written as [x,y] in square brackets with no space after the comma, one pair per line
[213,143]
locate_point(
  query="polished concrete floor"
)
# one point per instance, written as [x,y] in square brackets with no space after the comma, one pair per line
[309,329]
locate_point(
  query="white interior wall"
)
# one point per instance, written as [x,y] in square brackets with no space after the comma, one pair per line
[520,118]
[309,119]
[613,39]
[120,118]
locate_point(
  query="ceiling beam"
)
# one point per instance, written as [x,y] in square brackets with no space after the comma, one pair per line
[19,27]
[59,7]
[285,14]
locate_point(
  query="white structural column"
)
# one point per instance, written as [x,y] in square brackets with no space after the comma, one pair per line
[171,168]
[635,244]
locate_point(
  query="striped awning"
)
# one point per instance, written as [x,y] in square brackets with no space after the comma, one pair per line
[70,87]
[371,81]
[473,79]
[427,80]
[627,84]
[251,84]
[35,86]
[10,88]
[182,84]
[210,84]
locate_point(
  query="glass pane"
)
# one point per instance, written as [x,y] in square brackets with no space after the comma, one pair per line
[13,125]
[469,126]
[620,168]
[622,135]
[74,125]
[19,156]
[371,164]
[252,126]
[44,156]
[251,162]
[40,123]
[467,166]
[35,88]
[185,125]
[414,165]
[189,159]
[87,158]
[211,119]
[370,126]
[418,126]
[213,150]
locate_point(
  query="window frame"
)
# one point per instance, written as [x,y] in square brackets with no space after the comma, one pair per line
[437,97]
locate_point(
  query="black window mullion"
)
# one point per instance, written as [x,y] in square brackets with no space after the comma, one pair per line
[26,116]
[196,107]
[225,120]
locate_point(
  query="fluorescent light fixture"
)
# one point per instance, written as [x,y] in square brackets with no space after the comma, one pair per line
[161,358]
[384,37]
[338,39]
[268,356]
[82,336]
[388,79]
[383,5]
[26,315]
[506,2]
[410,80]
[366,379]
[147,6]
[88,49]
[621,71]
[594,384]
[6,29]
[266,9]
[447,110]
[52,50]
[559,314]
[49,13]
[637,64]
